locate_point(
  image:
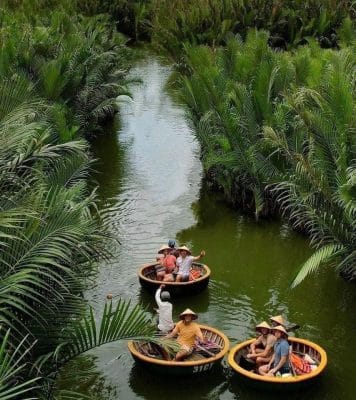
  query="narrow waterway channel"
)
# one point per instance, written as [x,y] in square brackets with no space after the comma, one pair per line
[149,177]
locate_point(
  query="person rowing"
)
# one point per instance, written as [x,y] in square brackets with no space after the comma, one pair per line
[187,332]
[165,320]
[279,320]
[185,262]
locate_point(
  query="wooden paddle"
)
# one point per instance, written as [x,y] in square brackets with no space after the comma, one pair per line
[205,350]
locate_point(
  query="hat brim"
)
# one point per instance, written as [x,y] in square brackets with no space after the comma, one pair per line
[162,250]
[259,328]
[283,333]
[188,251]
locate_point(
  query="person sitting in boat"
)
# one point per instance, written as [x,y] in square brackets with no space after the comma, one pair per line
[261,350]
[187,332]
[172,246]
[280,358]
[277,320]
[165,320]
[185,262]
[168,263]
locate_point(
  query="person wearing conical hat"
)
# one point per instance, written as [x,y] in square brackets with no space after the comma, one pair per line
[187,331]
[185,262]
[261,350]
[280,359]
[167,264]
[277,320]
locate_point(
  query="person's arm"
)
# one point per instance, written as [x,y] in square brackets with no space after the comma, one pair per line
[158,296]
[265,352]
[253,345]
[202,254]
[173,333]
[282,361]
[199,335]
[270,363]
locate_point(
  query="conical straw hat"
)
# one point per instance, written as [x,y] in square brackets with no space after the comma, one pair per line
[188,311]
[184,248]
[262,325]
[164,247]
[279,319]
[280,328]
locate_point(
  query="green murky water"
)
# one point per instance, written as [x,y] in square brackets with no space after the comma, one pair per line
[150,181]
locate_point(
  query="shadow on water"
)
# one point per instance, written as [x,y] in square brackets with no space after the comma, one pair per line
[109,168]
[81,375]
[201,386]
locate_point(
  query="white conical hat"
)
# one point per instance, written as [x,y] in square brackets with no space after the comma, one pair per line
[263,325]
[280,328]
[279,319]
[184,248]
[164,247]
[188,311]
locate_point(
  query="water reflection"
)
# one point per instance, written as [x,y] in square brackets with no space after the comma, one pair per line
[149,386]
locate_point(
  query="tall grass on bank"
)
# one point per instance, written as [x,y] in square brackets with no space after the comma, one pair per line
[277,129]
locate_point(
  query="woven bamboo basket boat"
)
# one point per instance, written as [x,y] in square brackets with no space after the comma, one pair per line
[148,280]
[299,346]
[198,362]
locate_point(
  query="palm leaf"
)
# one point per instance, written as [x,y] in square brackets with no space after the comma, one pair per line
[12,365]
[320,257]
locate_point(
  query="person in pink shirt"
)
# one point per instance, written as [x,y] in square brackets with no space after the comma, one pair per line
[168,262]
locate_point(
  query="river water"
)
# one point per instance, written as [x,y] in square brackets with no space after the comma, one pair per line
[149,178]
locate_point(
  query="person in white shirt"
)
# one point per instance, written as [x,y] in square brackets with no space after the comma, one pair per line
[184,263]
[165,320]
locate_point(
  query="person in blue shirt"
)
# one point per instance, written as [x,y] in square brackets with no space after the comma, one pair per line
[280,359]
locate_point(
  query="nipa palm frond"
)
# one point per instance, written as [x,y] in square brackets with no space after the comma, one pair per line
[322,256]
[116,323]
[12,364]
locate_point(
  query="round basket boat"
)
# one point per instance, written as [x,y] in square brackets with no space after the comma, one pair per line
[198,362]
[147,277]
[299,346]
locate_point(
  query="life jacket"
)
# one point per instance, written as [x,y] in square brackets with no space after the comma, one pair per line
[194,274]
[300,365]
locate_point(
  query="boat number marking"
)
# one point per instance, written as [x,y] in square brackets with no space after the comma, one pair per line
[201,368]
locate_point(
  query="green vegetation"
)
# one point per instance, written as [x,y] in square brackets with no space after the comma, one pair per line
[172,23]
[289,22]
[60,76]
[278,129]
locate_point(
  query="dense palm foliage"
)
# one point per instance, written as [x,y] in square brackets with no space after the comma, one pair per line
[171,23]
[289,22]
[277,133]
[278,130]
[60,77]
[77,63]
